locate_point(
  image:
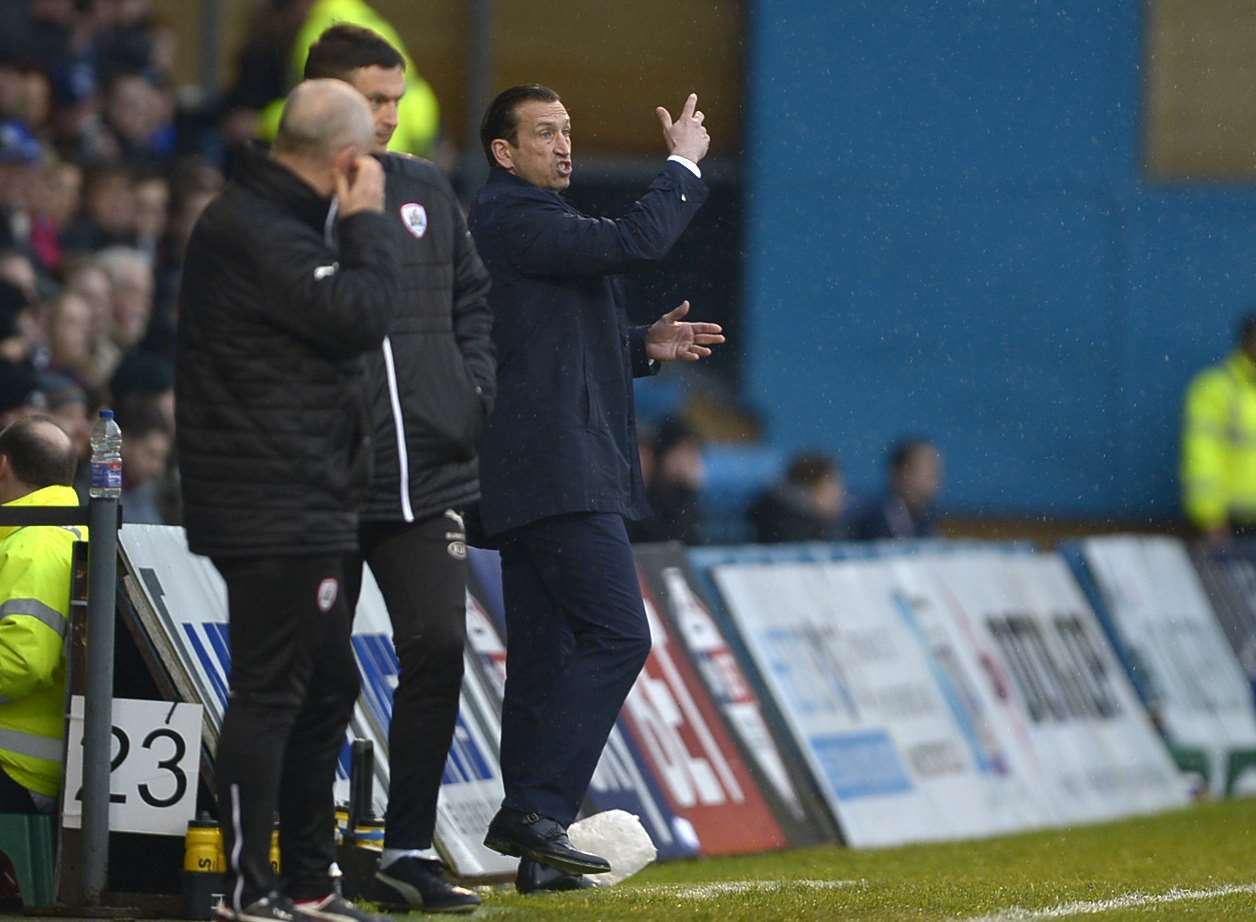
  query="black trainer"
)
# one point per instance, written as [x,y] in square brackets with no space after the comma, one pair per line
[419,883]
[530,835]
[273,907]
[534,877]
[335,908]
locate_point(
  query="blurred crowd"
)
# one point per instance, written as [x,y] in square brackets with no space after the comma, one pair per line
[98,195]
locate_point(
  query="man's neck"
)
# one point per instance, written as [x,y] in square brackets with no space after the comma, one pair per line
[312,175]
[11,490]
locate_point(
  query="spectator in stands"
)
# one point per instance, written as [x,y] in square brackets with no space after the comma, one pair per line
[108,216]
[906,511]
[140,112]
[151,191]
[70,338]
[17,325]
[130,277]
[143,386]
[806,506]
[20,395]
[17,269]
[146,447]
[130,39]
[675,487]
[55,202]
[67,404]
[37,463]
[1219,443]
[88,281]
[20,155]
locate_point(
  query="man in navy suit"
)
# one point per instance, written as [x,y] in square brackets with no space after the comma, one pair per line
[559,470]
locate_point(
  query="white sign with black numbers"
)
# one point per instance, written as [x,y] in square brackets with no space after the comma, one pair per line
[154,759]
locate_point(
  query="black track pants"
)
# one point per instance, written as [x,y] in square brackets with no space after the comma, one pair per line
[293,686]
[421,570]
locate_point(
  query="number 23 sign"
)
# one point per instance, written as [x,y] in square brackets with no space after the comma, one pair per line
[154,761]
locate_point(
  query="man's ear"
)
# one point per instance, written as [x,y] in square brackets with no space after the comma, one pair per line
[502,154]
[345,160]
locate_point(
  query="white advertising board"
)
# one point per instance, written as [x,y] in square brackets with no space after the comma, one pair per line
[1191,677]
[1069,720]
[856,693]
[950,695]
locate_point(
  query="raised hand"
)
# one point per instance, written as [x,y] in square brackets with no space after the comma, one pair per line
[687,136]
[671,339]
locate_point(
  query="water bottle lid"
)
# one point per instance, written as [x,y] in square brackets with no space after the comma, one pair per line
[106,414]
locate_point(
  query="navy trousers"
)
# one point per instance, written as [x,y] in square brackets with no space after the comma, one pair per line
[576,638]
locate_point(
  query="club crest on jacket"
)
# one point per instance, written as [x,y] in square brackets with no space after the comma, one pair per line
[414,217]
[328,589]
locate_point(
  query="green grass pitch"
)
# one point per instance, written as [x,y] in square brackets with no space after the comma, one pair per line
[1192,864]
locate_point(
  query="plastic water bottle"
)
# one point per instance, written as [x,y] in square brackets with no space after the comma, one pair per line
[106,458]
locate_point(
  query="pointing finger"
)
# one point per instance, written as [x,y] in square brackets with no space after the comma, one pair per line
[691,104]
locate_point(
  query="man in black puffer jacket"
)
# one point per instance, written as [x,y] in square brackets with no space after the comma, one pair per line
[432,384]
[284,288]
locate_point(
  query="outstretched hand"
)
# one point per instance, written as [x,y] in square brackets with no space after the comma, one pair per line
[671,339]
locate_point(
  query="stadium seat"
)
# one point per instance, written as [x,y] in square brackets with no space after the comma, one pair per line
[29,840]
[736,474]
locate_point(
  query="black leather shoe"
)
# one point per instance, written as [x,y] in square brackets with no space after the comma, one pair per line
[419,883]
[534,877]
[530,835]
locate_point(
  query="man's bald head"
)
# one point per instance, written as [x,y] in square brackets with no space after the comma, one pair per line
[39,453]
[321,118]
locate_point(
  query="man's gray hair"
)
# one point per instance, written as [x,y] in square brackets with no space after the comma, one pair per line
[322,117]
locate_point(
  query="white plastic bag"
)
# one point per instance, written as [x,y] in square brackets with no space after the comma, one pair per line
[617,836]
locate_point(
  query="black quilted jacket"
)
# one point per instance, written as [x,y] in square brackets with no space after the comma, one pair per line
[278,304]
[432,381]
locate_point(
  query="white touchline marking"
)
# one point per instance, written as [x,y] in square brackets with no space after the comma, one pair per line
[1128,901]
[730,888]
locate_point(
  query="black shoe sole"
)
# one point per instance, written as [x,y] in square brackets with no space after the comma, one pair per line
[549,888]
[394,902]
[566,865]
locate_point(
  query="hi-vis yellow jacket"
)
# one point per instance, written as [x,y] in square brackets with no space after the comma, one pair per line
[34,615]
[418,113]
[1219,444]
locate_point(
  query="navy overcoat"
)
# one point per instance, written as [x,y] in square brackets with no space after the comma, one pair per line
[562,437]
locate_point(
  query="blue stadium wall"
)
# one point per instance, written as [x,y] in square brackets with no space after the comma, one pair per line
[950,232]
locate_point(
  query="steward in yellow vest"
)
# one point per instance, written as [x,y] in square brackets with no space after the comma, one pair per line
[419,111]
[37,461]
[1219,443]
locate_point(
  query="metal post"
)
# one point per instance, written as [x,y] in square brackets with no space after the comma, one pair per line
[102,578]
[211,44]
[479,91]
